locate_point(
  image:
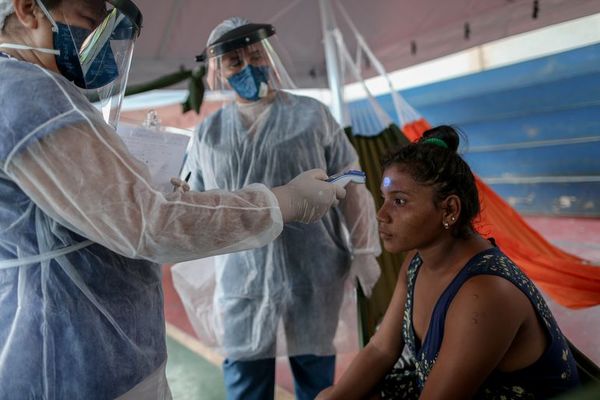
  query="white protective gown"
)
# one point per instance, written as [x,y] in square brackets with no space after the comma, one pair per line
[81,228]
[295,284]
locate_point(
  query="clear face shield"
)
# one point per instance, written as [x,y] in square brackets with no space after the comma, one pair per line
[93,44]
[244,61]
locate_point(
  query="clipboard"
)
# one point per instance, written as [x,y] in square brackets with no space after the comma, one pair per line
[162,149]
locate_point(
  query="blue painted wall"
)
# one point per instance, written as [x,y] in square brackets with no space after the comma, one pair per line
[533,128]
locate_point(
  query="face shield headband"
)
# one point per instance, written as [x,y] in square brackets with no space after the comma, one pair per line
[236,39]
[86,57]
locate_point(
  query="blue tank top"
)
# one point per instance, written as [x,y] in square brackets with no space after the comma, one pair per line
[553,373]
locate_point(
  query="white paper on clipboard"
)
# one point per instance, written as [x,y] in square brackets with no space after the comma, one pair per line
[162,150]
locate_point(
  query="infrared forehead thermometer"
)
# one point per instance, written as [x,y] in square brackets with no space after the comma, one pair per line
[347,177]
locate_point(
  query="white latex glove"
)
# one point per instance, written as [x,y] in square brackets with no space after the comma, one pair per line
[366,269]
[306,198]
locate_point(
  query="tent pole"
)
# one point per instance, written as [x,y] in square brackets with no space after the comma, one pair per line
[332,61]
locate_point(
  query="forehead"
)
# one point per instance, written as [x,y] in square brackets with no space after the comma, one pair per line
[250,49]
[254,47]
[397,178]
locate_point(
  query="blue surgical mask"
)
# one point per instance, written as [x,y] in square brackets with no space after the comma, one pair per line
[251,82]
[68,40]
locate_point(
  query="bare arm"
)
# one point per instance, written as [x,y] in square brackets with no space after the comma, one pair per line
[480,326]
[381,353]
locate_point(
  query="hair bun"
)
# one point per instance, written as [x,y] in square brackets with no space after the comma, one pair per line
[443,136]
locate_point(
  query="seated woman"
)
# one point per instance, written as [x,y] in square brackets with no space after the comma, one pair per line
[475,324]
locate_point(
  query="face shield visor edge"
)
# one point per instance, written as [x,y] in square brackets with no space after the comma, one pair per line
[96,60]
[244,60]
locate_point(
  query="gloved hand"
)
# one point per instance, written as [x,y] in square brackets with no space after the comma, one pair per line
[179,185]
[366,268]
[306,198]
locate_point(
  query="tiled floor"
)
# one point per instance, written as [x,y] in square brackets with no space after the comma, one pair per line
[190,376]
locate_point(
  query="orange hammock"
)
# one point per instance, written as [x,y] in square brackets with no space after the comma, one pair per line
[568,279]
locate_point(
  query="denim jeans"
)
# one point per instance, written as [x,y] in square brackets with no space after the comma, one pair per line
[255,380]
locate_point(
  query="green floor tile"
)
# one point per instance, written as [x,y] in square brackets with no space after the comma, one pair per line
[190,376]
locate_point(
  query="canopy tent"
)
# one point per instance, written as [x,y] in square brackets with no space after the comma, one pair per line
[400,32]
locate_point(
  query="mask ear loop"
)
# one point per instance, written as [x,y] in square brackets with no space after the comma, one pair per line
[47,14]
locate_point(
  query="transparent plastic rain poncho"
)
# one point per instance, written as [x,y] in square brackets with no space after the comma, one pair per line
[81,227]
[288,296]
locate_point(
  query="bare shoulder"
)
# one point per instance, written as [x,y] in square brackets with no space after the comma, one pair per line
[491,288]
[487,303]
[490,291]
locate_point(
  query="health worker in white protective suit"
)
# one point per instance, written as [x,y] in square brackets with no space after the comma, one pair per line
[297,281]
[81,227]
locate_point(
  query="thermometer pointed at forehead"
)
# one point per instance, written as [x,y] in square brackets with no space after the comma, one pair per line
[347,177]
